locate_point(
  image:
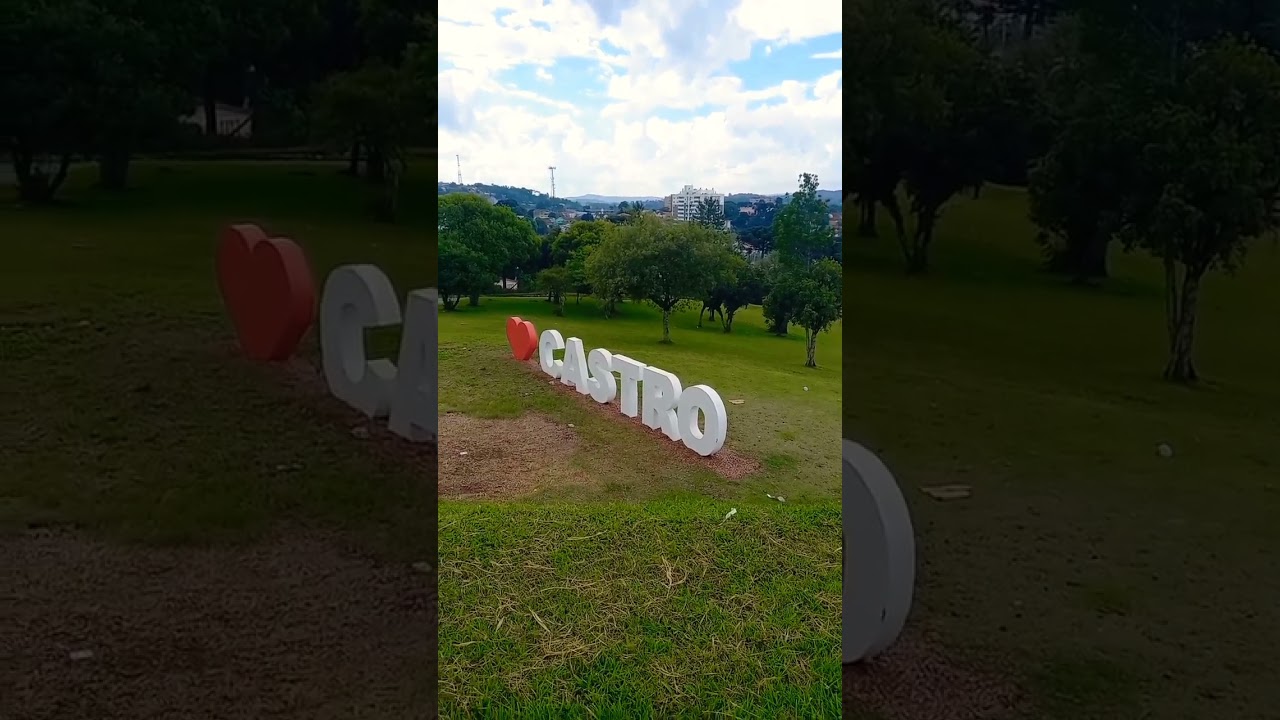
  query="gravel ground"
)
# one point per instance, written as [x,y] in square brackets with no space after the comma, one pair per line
[915,680]
[301,627]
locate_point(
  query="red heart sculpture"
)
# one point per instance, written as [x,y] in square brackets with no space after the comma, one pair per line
[522,337]
[267,287]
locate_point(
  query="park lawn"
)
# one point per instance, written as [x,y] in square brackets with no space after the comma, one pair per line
[634,597]
[1129,585]
[662,609]
[129,412]
[791,431]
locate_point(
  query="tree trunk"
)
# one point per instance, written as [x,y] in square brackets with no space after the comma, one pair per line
[1083,257]
[474,300]
[666,326]
[33,185]
[890,203]
[210,111]
[704,309]
[810,348]
[353,159]
[1182,325]
[918,251]
[867,217]
[727,320]
[779,327]
[113,169]
[375,165]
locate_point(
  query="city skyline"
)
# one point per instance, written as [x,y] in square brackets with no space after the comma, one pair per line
[735,93]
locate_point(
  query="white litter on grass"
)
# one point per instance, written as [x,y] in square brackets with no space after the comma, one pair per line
[570,424]
[736,402]
[464,452]
[1165,450]
[730,514]
[806,388]
[779,498]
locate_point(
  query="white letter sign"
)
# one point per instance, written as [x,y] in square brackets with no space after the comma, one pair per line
[629,370]
[358,297]
[879,555]
[665,406]
[548,343]
[414,415]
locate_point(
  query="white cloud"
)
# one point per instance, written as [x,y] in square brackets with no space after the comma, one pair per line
[661,112]
[833,55]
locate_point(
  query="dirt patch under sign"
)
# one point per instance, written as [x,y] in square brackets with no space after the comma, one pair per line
[504,457]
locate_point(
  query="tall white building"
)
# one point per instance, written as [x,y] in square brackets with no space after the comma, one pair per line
[684,204]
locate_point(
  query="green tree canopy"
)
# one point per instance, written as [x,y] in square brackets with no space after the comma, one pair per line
[668,264]
[802,232]
[494,233]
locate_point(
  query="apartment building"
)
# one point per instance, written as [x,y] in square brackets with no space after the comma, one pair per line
[684,204]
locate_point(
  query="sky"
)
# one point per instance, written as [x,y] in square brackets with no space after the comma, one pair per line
[640,97]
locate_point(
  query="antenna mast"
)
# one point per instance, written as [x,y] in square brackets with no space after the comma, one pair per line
[459,158]
[552,168]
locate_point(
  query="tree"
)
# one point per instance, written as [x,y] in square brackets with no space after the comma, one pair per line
[709,213]
[816,293]
[758,238]
[1208,179]
[579,235]
[747,288]
[668,264]
[802,230]
[462,270]
[605,270]
[504,240]
[253,39]
[954,132]
[574,246]
[104,78]
[555,282]
[384,108]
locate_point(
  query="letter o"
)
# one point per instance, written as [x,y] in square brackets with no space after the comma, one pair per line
[716,420]
[879,555]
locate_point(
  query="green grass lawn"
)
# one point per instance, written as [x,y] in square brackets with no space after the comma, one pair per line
[127,410]
[207,526]
[633,597]
[1130,585]
[660,609]
[789,430]
[132,419]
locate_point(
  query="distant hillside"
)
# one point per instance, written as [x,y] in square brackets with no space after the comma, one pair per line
[522,197]
[534,198]
[613,199]
[834,198]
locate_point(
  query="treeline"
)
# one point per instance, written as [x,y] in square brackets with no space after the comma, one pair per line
[644,258]
[1148,125]
[109,79]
